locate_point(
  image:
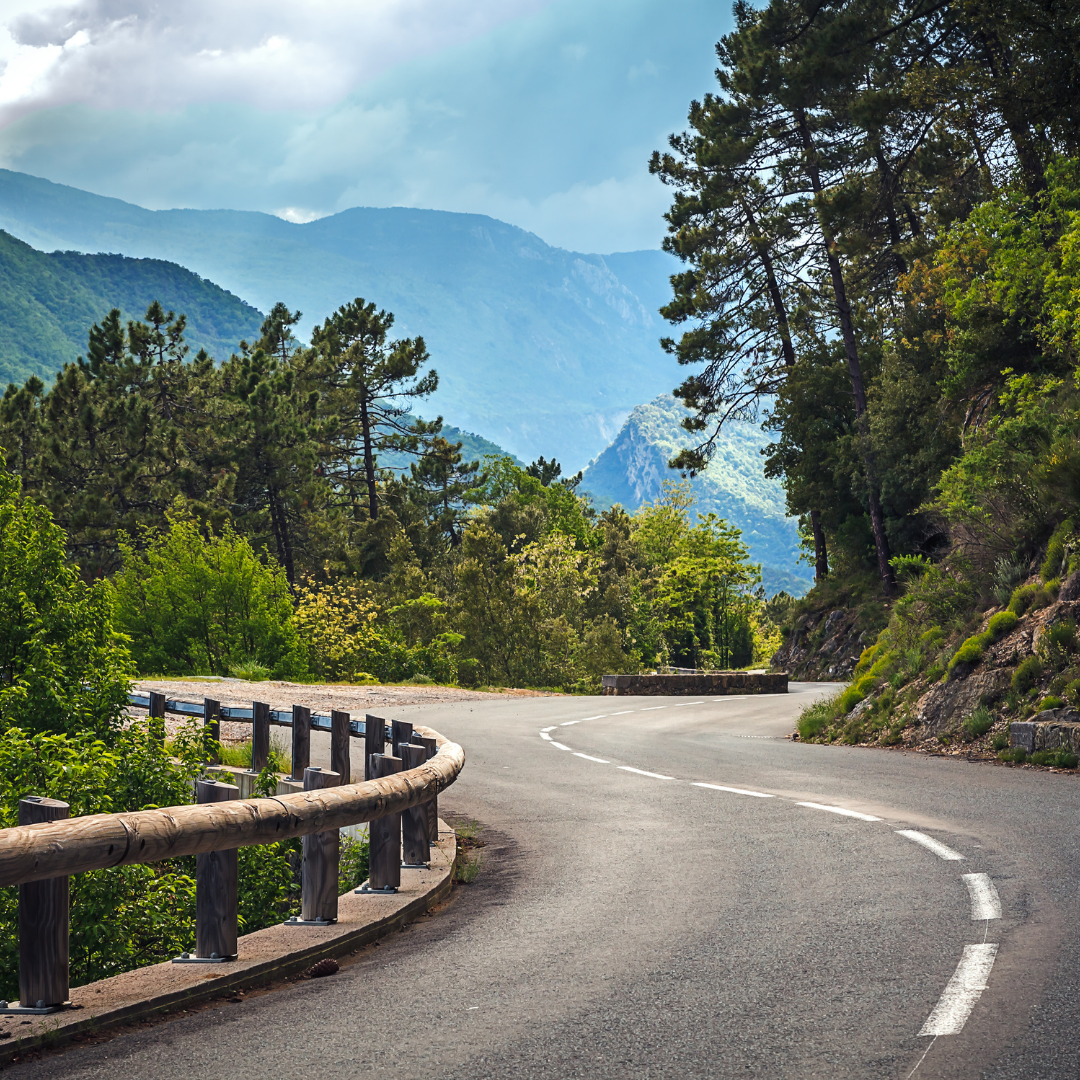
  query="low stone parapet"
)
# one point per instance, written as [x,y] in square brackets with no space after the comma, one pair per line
[1052,729]
[714,683]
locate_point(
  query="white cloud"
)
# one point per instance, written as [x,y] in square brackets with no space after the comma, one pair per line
[273,54]
[298,215]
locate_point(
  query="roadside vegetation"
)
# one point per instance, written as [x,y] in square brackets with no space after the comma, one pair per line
[878,212]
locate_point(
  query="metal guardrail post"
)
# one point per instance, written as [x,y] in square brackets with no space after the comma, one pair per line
[400,732]
[319,881]
[414,821]
[212,721]
[217,875]
[384,838]
[301,740]
[43,924]
[340,760]
[260,736]
[431,807]
[374,742]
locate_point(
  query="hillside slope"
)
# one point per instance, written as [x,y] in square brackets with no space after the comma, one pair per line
[541,350]
[49,302]
[631,471]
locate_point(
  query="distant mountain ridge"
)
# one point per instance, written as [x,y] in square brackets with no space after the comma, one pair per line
[541,350]
[49,302]
[631,471]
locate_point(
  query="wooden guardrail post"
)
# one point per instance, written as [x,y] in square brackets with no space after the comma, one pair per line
[374,742]
[384,838]
[319,881]
[156,712]
[301,740]
[43,923]
[431,807]
[212,722]
[414,821]
[217,875]
[260,736]
[400,732]
[340,760]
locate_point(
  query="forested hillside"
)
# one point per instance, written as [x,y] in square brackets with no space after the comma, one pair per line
[878,213]
[47,302]
[541,350]
[632,471]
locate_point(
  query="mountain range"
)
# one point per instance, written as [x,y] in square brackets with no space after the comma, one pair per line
[632,470]
[49,302]
[542,350]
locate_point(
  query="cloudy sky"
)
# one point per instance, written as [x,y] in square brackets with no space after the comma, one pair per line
[539,113]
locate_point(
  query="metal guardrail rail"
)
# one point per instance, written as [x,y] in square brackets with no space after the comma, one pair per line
[399,796]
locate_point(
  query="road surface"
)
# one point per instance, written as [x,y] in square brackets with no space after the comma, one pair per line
[671,888]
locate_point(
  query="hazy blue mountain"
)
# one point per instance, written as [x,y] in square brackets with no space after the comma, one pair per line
[49,302]
[541,350]
[473,448]
[631,471]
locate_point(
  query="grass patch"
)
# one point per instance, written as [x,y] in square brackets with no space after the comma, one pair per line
[978,723]
[1017,756]
[1059,759]
[1026,675]
[817,716]
[469,855]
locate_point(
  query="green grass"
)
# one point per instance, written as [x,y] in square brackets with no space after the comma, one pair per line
[978,723]
[817,716]
[1060,759]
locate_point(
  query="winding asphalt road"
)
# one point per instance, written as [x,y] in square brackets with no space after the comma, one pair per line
[645,911]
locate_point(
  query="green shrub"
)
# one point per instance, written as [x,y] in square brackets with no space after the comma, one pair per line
[1030,598]
[1001,624]
[1000,741]
[1017,756]
[198,603]
[971,651]
[1057,643]
[1060,759]
[63,667]
[934,672]
[817,716]
[979,722]
[250,670]
[1055,552]
[1050,702]
[352,864]
[1026,674]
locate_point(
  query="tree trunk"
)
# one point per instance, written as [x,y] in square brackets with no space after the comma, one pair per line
[821,552]
[281,534]
[369,458]
[851,349]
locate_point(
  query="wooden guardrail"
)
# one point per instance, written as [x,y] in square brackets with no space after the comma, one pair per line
[47,847]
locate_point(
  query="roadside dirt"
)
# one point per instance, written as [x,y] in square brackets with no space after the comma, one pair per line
[320,698]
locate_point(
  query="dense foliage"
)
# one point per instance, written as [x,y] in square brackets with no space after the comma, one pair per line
[245,525]
[877,215]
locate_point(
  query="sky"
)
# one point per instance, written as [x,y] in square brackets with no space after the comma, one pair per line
[540,113]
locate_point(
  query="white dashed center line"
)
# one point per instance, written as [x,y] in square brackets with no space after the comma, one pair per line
[964,990]
[560,746]
[600,717]
[642,772]
[985,902]
[552,728]
[735,790]
[546,736]
[625,712]
[683,704]
[653,708]
[942,851]
[839,810]
[567,723]
[599,760]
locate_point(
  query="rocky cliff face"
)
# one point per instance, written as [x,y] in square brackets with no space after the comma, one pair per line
[824,646]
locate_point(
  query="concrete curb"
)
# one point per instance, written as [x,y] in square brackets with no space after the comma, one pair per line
[266,955]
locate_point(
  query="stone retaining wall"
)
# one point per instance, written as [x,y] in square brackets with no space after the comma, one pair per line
[1051,729]
[714,683]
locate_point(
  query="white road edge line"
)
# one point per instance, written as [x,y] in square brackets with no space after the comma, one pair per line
[985,902]
[734,790]
[683,704]
[599,760]
[942,851]
[560,746]
[545,735]
[839,810]
[567,723]
[552,728]
[963,991]
[599,716]
[642,772]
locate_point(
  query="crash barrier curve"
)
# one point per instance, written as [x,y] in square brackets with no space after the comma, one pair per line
[398,797]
